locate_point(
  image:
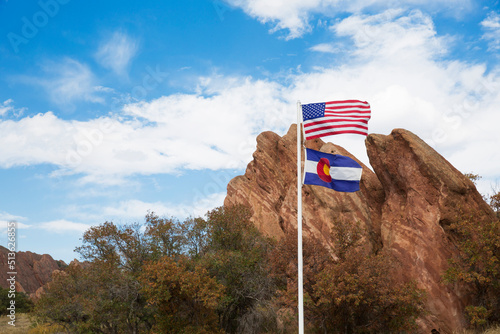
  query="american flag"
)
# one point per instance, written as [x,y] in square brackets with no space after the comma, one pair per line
[335,117]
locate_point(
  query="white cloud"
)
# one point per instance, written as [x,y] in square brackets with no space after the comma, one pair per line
[42,138]
[63,226]
[214,129]
[292,15]
[325,48]
[134,210]
[67,81]
[394,62]
[6,220]
[8,107]
[8,223]
[7,217]
[295,15]
[137,209]
[116,52]
[491,25]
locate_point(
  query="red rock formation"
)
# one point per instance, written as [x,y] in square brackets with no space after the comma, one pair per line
[423,194]
[33,270]
[269,187]
[405,207]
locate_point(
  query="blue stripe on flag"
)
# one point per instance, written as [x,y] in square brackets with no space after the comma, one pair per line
[349,178]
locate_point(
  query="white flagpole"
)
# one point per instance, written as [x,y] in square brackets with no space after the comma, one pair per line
[299,221]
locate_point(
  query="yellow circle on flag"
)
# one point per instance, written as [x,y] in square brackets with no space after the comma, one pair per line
[323,170]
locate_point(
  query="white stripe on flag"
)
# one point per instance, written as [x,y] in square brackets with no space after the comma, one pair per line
[337,173]
[310,125]
[348,103]
[338,130]
[349,116]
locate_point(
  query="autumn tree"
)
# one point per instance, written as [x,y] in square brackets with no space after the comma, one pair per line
[346,290]
[237,256]
[196,276]
[284,262]
[103,295]
[185,297]
[473,177]
[93,298]
[357,293]
[478,266]
[495,203]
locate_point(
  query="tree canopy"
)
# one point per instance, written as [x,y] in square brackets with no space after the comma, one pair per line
[219,274]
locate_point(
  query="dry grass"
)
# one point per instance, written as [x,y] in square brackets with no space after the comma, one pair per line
[47,329]
[22,324]
[491,330]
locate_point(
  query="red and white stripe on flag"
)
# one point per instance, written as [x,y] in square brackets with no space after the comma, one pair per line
[335,117]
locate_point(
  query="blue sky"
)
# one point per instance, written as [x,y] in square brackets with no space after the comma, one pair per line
[111,109]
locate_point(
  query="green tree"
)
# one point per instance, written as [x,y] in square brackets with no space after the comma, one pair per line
[164,236]
[478,266]
[23,303]
[94,297]
[125,247]
[103,295]
[237,255]
[196,276]
[195,237]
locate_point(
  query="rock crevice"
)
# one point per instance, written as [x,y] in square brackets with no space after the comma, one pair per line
[402,204]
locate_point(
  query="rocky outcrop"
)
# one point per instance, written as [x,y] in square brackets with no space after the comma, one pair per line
[405,204]
[33,270]
[424,193]
[269,188]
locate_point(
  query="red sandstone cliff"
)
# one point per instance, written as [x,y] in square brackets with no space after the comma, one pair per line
[405,206]
[33,270]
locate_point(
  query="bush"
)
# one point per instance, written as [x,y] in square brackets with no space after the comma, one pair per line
[185,299]
[23,302]
[478,266]
[196,276]
[237,254]
[350,291]
[220,274]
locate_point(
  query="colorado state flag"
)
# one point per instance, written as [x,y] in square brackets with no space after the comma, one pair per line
[333,171]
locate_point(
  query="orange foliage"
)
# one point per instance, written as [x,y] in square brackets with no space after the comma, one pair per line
[185,299]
